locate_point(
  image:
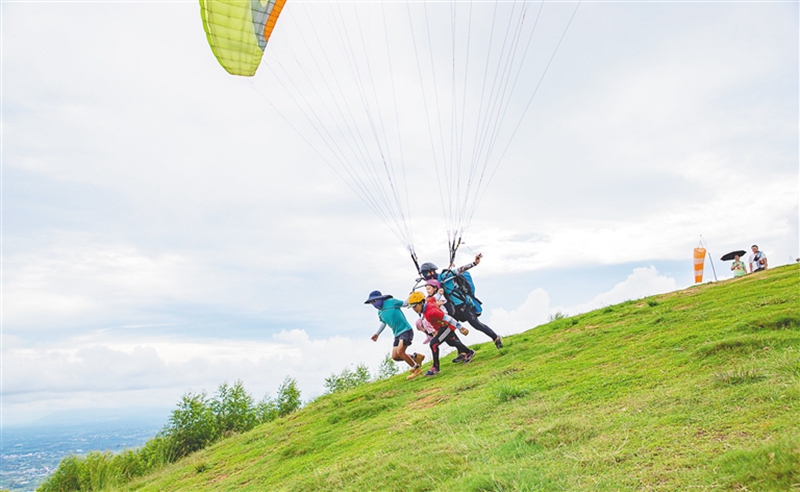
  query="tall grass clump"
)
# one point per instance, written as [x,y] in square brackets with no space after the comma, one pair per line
[197,422]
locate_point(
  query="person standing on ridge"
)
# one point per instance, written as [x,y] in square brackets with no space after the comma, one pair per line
[389,314]
[461,305]
[445,327]
[759,259]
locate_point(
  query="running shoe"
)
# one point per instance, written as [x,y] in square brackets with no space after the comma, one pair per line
[468,357]
[418,358]
[498,342]
[459,359]
[433,371]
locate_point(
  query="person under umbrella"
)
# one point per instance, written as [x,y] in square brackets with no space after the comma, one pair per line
[739,268]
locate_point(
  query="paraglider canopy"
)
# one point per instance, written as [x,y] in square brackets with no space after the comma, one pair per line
[238,31]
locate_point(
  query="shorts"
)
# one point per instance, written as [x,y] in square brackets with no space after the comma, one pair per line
[406,337]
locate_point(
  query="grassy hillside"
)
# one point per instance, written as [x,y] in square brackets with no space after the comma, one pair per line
[697,389]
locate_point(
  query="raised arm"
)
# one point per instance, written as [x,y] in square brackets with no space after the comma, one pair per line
[466,267]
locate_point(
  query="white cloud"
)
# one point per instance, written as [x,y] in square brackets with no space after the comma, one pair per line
[642,282]
[722,218]
[532,312]
[536,309]
[76,277]
[104,370]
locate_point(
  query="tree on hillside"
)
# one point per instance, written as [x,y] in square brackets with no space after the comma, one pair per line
[266,410]
[347,379]
[234,409]
[288,399]
[192,425]
[387,368]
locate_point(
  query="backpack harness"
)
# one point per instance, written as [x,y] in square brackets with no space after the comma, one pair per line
[460,289]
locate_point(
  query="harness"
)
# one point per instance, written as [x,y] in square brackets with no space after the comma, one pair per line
[460,289]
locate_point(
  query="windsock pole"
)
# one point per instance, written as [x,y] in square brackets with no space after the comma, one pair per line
[710,257]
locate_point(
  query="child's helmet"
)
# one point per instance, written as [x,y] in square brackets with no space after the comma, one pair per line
[434,283]
[416,298]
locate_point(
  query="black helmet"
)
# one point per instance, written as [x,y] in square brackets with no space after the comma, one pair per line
[427,267]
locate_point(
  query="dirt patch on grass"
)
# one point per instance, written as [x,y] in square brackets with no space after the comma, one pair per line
[429,401]
[428,391]
[688,292]
[703,435]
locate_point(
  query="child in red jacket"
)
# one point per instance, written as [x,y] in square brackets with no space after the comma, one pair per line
[445,327]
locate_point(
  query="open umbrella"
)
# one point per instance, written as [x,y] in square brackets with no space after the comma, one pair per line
[730,255]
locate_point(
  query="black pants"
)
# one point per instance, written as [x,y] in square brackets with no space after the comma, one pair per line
[448,336]
[465,314]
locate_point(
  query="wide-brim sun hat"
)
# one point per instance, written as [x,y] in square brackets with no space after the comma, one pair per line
[376,295]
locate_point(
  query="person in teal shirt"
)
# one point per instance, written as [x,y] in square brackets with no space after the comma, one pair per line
[389,313]
[738,267]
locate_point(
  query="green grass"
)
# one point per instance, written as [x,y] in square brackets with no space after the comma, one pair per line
[693,390]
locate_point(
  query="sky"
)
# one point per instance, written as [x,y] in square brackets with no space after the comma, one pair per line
[167,227]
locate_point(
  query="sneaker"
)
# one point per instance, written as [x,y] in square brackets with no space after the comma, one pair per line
[498,342]
[468,357]
[418,358]
[433,371]
[414,372]
[460,358]
[464,331]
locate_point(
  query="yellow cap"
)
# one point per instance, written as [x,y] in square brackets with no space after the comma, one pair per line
[416,298]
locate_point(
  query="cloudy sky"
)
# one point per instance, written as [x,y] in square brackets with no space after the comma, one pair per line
[168,227]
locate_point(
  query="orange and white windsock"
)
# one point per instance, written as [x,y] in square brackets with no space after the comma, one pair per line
[699,261]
